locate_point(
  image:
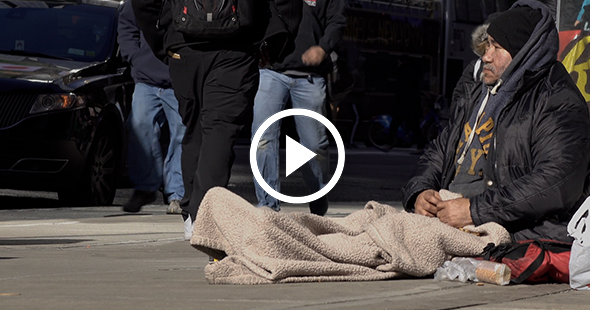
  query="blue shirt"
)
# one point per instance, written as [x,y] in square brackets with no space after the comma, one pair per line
[586,2]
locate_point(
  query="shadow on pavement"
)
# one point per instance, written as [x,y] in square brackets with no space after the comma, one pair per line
[16,202]
[41,241]
[128,214]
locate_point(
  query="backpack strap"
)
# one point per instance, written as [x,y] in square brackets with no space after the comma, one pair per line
[495,253]
[487,251]
[533,266]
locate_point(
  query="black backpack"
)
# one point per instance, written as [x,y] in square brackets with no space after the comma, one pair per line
[212,19]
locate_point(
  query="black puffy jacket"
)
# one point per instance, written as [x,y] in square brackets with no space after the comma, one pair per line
[538,164]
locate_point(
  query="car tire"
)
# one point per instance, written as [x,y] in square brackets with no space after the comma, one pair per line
[98,184]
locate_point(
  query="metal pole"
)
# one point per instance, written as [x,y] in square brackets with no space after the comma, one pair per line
[557,14]
[446,6]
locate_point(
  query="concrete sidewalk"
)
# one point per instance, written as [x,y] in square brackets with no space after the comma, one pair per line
[100,258]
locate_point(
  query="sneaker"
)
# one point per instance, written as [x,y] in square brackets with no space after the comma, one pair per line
[189,225]
[139,199]
[174,207]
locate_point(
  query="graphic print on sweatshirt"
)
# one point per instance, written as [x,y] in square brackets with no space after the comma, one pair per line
[469,175]
[310,2]
[479,147]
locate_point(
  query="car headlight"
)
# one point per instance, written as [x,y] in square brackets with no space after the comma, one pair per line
[55,102]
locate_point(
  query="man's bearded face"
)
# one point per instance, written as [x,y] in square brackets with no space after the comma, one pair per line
[496,59]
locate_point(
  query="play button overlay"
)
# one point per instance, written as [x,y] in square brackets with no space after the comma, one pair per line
[297,155]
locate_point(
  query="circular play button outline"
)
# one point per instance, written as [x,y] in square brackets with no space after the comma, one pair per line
[339,166]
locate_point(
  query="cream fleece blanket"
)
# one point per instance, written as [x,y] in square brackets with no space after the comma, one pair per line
[375,243]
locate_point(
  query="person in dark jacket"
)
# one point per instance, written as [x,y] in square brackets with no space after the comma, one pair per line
[472,72]
[582,12]
[300,78]
[215,81]
[518,146]
[153,104]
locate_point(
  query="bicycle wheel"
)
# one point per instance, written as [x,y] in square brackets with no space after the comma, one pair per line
[380,137]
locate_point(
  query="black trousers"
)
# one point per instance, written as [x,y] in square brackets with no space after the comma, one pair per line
[215,89]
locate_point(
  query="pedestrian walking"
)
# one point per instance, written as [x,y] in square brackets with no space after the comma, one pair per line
[299,78]
[215,78]
[473,71]
[153,106]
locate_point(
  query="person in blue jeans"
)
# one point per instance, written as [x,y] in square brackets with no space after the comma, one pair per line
[300,78]
[153,104]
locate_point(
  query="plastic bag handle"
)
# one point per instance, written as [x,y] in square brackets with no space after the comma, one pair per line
[579,226]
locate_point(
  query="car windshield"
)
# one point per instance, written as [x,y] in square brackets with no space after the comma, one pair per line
[57,29]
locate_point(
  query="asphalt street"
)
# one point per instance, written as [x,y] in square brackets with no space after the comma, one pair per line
[52,257]
[368,174]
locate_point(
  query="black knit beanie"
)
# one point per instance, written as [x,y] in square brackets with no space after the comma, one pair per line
[513,28]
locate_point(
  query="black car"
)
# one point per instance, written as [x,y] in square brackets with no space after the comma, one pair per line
[64,96]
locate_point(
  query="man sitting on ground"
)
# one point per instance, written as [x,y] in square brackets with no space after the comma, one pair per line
[517,148]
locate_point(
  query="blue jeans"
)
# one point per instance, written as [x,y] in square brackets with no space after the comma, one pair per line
[148,171]
[274,91]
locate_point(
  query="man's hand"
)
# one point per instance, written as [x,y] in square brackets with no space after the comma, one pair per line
[455,212]
[313,56]
[426,203]
[576,23]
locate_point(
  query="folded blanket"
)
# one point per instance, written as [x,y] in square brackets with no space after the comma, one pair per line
[259,245]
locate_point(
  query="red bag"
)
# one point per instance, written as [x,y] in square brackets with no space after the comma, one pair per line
[533,261]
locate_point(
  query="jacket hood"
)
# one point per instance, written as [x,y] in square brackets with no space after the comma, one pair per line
[539,51]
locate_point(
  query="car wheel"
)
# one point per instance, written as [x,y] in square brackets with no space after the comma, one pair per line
[99,180]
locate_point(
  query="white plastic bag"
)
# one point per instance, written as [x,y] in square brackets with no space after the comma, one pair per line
[579,229]
[460,268]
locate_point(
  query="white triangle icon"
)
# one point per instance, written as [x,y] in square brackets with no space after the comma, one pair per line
[296,155]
